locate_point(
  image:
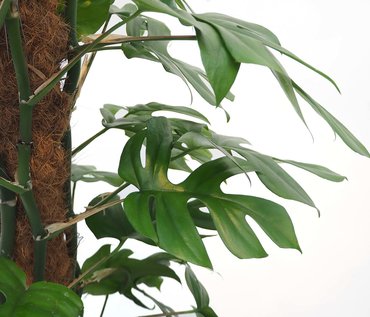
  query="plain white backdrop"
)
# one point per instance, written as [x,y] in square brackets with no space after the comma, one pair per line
[331,278]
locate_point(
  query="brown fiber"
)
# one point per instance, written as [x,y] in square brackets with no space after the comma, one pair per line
[45,36]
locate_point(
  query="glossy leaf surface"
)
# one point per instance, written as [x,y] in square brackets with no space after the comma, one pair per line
[39,300]
[167,203]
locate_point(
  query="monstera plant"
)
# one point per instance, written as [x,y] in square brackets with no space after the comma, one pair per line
[42,44]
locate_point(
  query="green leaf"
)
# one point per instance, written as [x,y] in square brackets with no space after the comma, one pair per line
[89,174]
[111,222]
[120,273]
[220,66]
[166,8]
[286,85]
[269,172]
[44,298]
[91,14]
[347,137]
[318,170]
[99,256]
[150,108]
[243,29]
[243,48]
[157,51]
[197,289]
[138,204]
[201,219]
[275,178]
[207,312]
[4,8]
[169,214]
[164,308]
[124,12]
[97,271]
[109,112]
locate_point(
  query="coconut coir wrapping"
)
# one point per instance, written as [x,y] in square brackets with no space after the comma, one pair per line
[45,38]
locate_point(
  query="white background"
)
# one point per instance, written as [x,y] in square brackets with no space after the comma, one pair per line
[331,278]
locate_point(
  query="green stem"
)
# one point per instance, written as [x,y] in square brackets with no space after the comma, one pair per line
[70,86]
[72,239]
[88,141]
[7,217]
[111,195]
[13,28]
[130,39]
[104,305]
[44,89]
[73,74]
[173,313]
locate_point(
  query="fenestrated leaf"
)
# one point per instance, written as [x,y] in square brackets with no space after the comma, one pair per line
[89,174]
[136,203]
[347,137]
[157,51]
[241,29]
[169,214]
[201,219]
[44,298]
[244,49]
[269,172]
[91,15]
[275,178]
[318,170]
